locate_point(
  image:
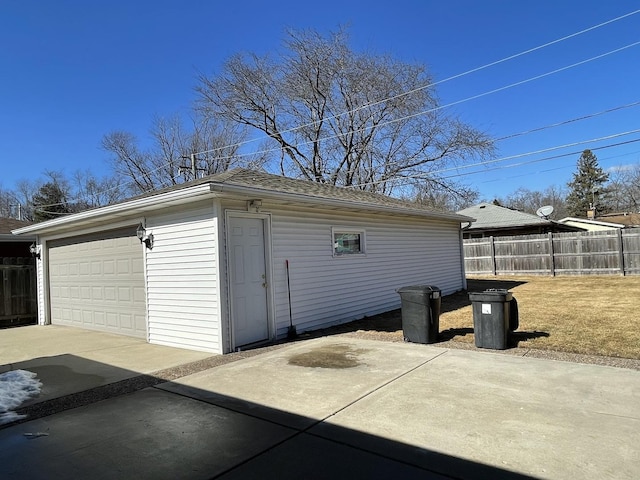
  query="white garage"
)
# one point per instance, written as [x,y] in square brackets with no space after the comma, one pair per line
[97,282]
[239,258]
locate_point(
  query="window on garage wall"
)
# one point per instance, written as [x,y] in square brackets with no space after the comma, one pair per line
[347,241]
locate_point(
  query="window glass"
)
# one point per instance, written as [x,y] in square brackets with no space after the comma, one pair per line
[348,243]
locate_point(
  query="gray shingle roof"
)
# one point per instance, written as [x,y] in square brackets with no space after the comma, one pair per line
[488,215]
[270,183]
[8,224]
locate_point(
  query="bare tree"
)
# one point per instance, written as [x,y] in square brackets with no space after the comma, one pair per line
[23,194]
[624,189]
[529,201]
[89,191]
[341,117]
[214,145]
[445,195]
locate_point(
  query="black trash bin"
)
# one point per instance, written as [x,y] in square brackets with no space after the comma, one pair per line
[420,313]
[492,319]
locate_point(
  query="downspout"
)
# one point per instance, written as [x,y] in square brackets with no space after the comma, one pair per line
[462,269]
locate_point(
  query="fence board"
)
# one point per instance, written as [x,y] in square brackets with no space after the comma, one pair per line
[18,302]
[611,252]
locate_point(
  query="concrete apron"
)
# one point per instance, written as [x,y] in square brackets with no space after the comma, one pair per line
[543,418]
[347,408]
[69,360]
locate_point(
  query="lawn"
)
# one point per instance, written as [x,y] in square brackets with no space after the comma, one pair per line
[592,315]
[596,315]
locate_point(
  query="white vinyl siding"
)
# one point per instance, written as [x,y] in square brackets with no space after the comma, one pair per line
[326,289]
[182,280]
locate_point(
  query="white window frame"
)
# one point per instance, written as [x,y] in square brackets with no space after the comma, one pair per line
[349,230]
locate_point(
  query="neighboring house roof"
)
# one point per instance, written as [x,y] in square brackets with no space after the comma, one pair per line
[249,184]
[629,220]
[490,216]
[590,224]
[9,224]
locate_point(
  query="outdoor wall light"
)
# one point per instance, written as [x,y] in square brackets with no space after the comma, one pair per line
[35,250]
[145,238]
[254,206]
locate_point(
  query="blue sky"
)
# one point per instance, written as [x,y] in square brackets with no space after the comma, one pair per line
[74,70]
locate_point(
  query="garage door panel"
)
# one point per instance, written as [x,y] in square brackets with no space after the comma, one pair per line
[97,282]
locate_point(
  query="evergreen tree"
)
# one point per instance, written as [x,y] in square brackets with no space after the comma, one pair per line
[587,190]
[49,202]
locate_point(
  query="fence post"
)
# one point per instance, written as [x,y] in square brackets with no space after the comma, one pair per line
[6,286]
[552,263]
[493,254]
[621,252]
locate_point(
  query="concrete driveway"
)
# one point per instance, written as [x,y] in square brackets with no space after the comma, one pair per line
[339,407]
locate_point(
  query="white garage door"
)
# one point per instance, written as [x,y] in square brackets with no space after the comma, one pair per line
[97,282]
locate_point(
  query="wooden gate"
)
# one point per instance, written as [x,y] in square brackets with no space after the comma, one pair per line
[18,303]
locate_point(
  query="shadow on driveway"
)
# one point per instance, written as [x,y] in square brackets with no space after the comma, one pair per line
[128,430]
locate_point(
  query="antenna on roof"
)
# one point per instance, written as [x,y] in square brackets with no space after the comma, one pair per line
[544,212]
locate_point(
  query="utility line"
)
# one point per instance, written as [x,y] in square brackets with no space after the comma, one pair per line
[440,107]
[566,122]
[426,176]
[544,150]
[430,85]
[430,175]
[564,166]
[543,159]
[459,75]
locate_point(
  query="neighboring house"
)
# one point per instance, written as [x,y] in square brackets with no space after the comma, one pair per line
[609,221]
[590,225]
[17,276]
[495,221]
[11,245]
[219,258]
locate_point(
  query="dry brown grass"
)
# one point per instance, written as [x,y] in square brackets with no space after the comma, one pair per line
[594,315]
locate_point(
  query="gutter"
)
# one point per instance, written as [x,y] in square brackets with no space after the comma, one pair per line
[152,202]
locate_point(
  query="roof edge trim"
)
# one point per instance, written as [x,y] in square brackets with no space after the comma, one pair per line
[176,195]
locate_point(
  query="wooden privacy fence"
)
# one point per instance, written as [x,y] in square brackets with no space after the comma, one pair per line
[18,304]
[610,252]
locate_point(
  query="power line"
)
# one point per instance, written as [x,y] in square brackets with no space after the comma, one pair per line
[441,107]
[566,122]
[430,175]
[239,144]
[544,159]
[544,150]
[430,85]
[276,149]
[564,166]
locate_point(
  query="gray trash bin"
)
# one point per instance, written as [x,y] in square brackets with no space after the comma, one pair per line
[491,318]
[420,313]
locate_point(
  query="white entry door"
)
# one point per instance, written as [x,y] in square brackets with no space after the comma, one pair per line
[248,276]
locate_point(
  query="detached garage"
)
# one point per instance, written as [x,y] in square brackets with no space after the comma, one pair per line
[233,259]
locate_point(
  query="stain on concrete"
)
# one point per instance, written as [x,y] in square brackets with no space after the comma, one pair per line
[335,356]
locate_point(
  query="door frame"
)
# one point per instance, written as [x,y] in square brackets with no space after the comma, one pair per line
[266,224]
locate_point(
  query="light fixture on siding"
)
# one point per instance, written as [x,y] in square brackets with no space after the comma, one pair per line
[145,238]
[35,250]
[254,206]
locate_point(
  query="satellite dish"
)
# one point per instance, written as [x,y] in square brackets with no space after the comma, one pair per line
[545,211]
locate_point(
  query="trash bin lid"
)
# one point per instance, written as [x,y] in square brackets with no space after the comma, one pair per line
[418,289]
[491,295]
